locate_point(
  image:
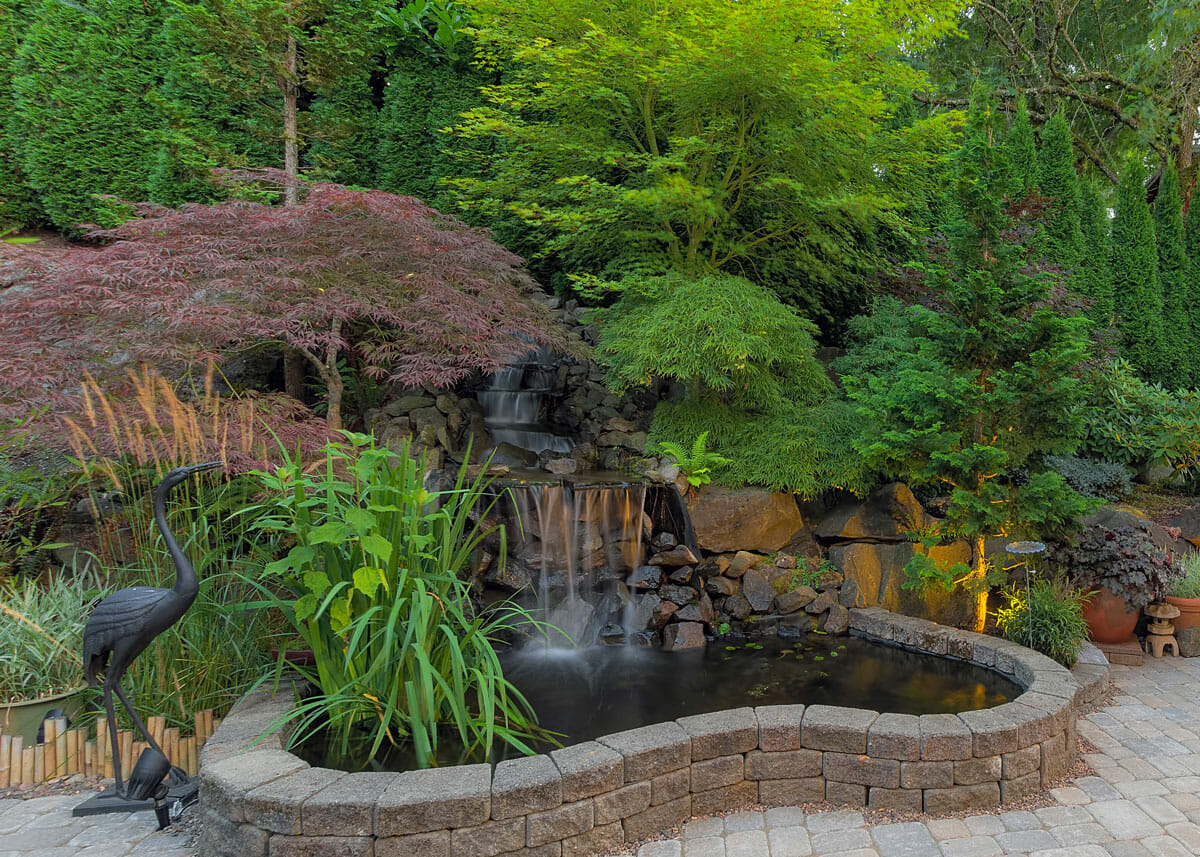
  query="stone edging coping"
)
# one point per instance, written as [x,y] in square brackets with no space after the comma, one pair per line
[258,799]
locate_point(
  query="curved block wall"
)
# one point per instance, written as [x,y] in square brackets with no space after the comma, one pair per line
[258,800]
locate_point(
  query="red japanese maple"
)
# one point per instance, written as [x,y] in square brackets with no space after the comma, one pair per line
[416,295]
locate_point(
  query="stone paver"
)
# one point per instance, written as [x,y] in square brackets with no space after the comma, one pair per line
[1143,800]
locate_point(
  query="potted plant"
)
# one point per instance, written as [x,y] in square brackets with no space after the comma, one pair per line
[1185,593]
[1123,570]
[41,626]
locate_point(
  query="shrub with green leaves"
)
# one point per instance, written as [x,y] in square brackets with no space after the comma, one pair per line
[1047,619]
[1130,421]
[750,381]
[374,585]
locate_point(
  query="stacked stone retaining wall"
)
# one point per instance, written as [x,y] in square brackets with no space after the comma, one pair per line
[258,800]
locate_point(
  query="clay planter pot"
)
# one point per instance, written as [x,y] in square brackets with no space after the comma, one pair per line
[25,718]
[1109,618]
[1189,612]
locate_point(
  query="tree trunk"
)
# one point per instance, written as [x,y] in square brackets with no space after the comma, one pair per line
[291,153]
[979,570]
[333,382]
[294,374]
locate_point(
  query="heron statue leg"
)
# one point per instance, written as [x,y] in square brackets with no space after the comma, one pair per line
[113,739]
[137,721]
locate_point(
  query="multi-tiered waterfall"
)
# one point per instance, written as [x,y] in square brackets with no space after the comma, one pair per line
[513,403]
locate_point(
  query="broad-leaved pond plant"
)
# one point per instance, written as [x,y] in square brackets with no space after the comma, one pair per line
[374,585]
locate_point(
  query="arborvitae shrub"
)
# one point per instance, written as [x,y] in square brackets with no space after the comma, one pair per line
[18,204]
[404,145]
[1138,295]
[1093,277]
[342,127]
[84,87]
[1062,240]
[1021,150]
[1181,350]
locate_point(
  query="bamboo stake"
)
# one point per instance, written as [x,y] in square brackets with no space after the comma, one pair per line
[5,757]
[16,757]
[26,766]
[156,724]
[126,737]
[49,748]
[74,762]
[171,745]
[39,763]
[61,749]
[199,727]
[192,767]
[89,757]
[104,743]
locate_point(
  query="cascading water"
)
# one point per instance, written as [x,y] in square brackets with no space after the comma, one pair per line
[585,539]
[512,405]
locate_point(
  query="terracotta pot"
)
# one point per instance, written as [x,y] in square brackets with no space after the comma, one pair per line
[1189,612]
[1109,618]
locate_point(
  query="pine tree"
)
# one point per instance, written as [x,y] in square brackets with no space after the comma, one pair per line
[1180,349]
[1062,241]
[1137,294]
[84,97]
[1093,277]
[1021,149]
[992,384]
[18,204]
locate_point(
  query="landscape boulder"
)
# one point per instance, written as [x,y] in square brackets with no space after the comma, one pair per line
[885,516]
[727,519]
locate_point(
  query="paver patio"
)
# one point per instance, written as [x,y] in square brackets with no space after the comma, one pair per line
[1143,800]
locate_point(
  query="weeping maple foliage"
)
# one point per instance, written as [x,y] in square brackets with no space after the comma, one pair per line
[414,295]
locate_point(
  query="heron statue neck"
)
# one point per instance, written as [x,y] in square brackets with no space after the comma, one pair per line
[187,585]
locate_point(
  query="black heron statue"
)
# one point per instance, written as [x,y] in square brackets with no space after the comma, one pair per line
[123,624]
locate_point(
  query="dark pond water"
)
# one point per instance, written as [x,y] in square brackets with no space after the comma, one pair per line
[598,691]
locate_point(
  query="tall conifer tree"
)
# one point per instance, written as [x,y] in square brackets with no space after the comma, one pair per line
[1179,346]
[1062,240]
[1094,276]
[84,98]
[18,205]
[1021,149]
[1192,252]
[1137,294]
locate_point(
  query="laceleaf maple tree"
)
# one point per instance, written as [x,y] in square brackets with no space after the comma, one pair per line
[413,295]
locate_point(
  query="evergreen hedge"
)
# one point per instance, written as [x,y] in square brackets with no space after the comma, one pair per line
[1138,294]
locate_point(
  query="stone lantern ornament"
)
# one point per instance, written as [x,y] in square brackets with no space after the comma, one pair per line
[1161,630]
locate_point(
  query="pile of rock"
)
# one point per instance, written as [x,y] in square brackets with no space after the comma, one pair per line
[683,598]
[439,423]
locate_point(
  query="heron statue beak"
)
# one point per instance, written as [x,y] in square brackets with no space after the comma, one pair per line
[208,465]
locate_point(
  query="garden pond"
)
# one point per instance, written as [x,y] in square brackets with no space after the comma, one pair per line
[586,693]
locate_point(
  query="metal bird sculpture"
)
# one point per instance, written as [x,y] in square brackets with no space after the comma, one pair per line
[123,624]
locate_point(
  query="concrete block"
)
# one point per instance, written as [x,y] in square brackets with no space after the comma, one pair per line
[671,786]
[588,769]
[657,818]
[718,772]
[962,798]
[524,785]
[779,727]
[843,730]
[945,738]
[651,750]
[792,764]
[346,807]
[489,839]
[926,775]
[725,798]
[791,792]
[555,825]
[895,736]
[721,733]
[622,803]
[861,770]
[969,772]
[435,799]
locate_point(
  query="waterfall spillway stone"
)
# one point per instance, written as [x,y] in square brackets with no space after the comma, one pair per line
[584,540]
[512,405]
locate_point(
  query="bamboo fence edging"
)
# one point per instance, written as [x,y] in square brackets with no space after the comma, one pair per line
[65,752]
